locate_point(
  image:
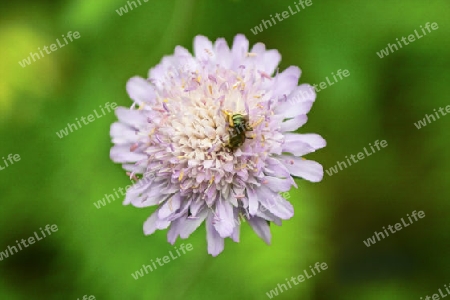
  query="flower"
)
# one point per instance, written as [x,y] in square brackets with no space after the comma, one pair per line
[178,136]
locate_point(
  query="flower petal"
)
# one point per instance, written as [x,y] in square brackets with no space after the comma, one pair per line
[240,47]
[299,102]
[202,48]
[253,202]
[266,61]
[224,223]
[140,90]
[215,242]
[278,184]
[174,231]
[307,169]
[169,207]
[122,154]
[130,117]
[261,228]
[286,81]
[301,144]
[294,123]
[275,203]
[153,223]
[190,224]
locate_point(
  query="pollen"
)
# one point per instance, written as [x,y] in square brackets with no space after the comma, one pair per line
[181,175]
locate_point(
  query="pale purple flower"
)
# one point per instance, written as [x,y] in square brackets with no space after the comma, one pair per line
[175,135]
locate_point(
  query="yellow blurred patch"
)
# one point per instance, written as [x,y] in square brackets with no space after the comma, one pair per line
[25,87]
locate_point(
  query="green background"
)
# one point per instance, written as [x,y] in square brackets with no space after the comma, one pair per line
[95,250]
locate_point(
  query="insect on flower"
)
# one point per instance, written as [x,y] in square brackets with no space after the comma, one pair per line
[238,126]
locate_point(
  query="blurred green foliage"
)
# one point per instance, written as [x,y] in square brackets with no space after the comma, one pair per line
[96,250]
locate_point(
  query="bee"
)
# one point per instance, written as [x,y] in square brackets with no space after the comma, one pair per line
[238,127]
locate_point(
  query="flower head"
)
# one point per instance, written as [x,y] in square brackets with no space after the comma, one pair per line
[212,136]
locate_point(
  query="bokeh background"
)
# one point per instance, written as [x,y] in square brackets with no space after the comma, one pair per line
[96,250]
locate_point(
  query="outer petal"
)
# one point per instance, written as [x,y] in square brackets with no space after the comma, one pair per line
[294,123]
[286,81]
[275,203]
[169,207]
[153,223]
[215,242]
[140,90]
[252,201]
[267,215]
[203,48]
[299,102]
[278,184]
[301,144]
[130,117]
[151,196]
[307,169]
[236,230]
[122,154]
[190,225]
[240,47]
[122,134]
[225,222]
[261,228]
[266,61]
[174,231]
[223,53]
